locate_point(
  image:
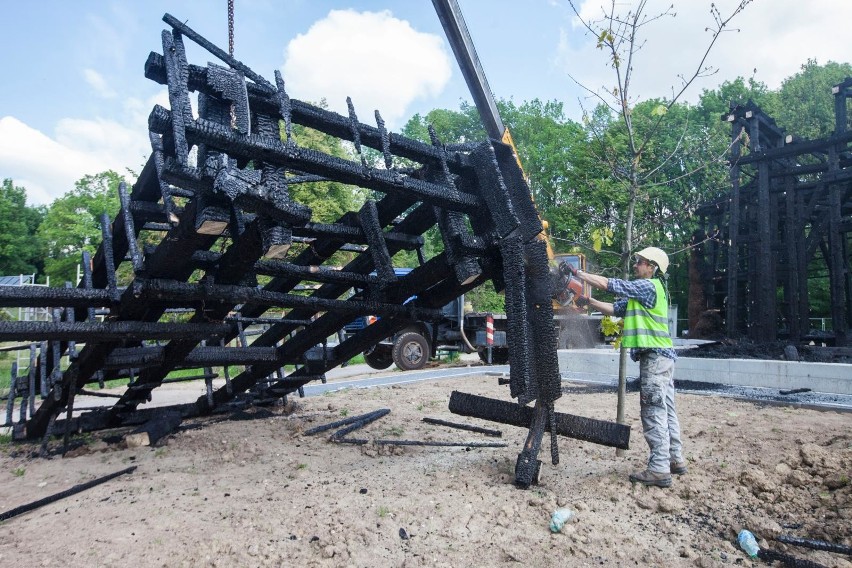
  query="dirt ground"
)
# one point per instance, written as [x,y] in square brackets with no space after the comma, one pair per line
[258,492]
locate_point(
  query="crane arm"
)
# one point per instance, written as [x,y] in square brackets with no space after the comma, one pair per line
[460,41]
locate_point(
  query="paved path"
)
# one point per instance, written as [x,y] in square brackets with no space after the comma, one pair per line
[401,378]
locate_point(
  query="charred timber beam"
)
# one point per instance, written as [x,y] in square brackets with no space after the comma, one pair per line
[796,149]
[389,208]
[207,260]
[99,419]
[108,331]
[427,276]
[815,544]
[141,357]
[184,294]
[276,152]
[354,234]
[359,423]
[147,212]
[170,258]
[146,188]
[569,425]
[242,254]
[468,427]
[376,414]
[6,515]
[325,121]
[363,442]
[41,296]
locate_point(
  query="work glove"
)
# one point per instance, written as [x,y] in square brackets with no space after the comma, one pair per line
[581,301]
[567,269]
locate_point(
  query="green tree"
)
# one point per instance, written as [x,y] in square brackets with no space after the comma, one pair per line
[636,141]
[551,147]
[716,102]
[327,199]
[19,246]
[635,146]
[452,127]
[72,224]
[805,103]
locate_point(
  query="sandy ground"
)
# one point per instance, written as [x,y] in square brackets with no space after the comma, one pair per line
[260,493]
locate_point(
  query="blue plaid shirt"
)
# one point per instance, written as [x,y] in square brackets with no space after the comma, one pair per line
[644,292]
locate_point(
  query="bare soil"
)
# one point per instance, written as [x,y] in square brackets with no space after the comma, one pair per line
[258,492]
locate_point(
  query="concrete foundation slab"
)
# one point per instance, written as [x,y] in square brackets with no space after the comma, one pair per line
[602,363]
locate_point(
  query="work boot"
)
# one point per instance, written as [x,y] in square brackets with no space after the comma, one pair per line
[678,467]
[651,478]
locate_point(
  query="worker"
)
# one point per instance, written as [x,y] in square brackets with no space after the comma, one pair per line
[643,303]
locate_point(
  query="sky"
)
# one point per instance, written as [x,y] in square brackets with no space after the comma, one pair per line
[74,99]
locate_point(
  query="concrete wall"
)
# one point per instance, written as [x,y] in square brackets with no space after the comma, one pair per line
[602,364]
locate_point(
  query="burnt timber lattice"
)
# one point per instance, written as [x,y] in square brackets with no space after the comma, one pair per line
[790,199]
[212,210]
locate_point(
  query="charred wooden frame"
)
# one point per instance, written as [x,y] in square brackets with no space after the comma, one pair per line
[789,199]
[212,214]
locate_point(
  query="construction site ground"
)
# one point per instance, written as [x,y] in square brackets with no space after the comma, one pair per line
[257,492]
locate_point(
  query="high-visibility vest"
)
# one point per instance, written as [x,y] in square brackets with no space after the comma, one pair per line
[646,328]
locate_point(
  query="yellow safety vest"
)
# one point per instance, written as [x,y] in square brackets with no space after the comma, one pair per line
[644,328]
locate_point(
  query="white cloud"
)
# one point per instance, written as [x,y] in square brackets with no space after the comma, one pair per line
[775,38]
[44,166]
[99,84]
[48,166]
[378,60]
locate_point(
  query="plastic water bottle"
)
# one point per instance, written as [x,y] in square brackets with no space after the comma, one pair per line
[748,543]
[559,518]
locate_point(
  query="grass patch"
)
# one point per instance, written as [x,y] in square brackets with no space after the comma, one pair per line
[394,431]
[19,472]
[383,511]
[357,360]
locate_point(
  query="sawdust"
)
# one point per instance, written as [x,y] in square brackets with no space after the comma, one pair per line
[261,493]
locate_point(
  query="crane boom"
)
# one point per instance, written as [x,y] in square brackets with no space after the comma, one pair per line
[455,29]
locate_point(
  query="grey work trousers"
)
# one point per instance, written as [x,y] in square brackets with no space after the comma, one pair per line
[657,408]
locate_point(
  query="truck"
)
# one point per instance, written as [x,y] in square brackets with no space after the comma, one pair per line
[456,331]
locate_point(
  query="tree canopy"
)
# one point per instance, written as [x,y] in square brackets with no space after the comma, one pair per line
[72,224]
[19,246]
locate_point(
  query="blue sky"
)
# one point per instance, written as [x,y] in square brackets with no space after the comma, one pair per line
[74,99]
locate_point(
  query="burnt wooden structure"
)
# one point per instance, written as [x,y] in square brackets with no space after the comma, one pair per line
[788,218]
[210,243]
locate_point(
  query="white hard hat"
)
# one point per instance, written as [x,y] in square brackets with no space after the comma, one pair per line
[657,256]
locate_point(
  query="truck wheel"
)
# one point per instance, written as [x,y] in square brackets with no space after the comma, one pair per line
[410,351]
[499,355]
[379,356]
[377,359]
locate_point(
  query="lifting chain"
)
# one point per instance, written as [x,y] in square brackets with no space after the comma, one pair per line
[231,53]
[231,28]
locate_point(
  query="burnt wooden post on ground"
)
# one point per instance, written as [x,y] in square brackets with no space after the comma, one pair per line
[790,199]
[212,215]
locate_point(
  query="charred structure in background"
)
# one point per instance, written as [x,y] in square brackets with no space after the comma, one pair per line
[195,235]
[790,199]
